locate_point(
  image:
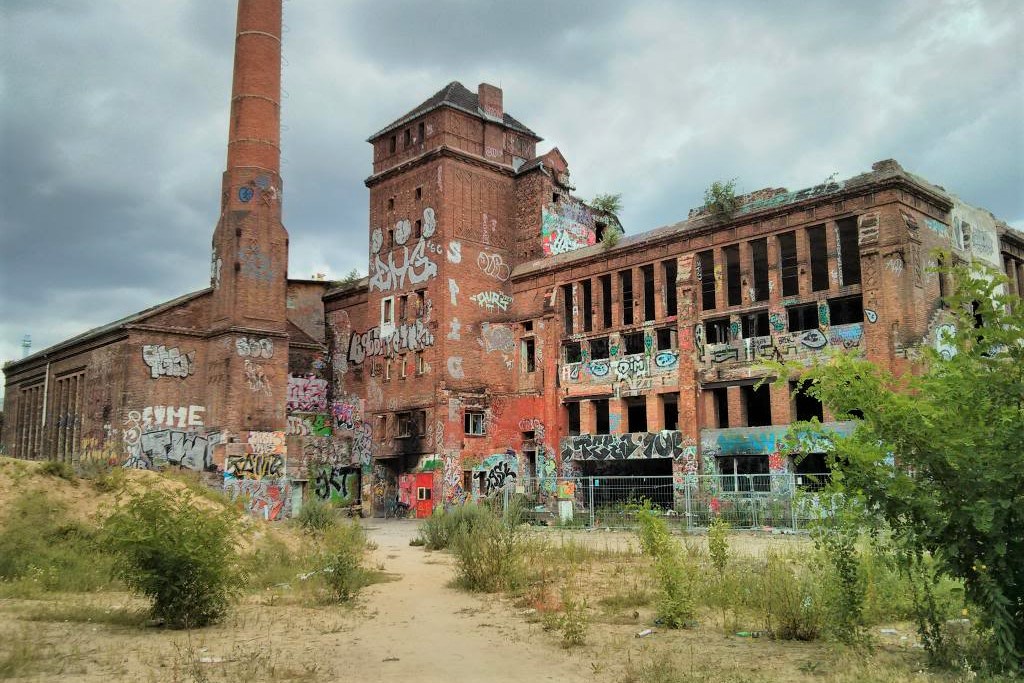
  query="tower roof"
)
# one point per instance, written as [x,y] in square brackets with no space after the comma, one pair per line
[456,96]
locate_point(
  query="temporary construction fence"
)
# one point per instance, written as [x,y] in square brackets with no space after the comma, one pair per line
[787,502]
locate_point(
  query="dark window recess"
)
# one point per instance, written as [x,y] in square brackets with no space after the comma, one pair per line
[602,423]
[419,193]
[530,351]
[647,272]
[418,229]
[812,470]
[405,425]
[391,203]
[758,405]
[717,331]
[531,461]
[807,406]
[572,352]
[759,254]
[588,306]
[803,317]
[528,326]
[849,309]
[940,265]
[636,414]
[666,339]
[407,137]
[755,324]
[849,250]
[788,268]
[626,284]
[706,263]
[572,410]
[670,411]
[745,473]
[599,347]
[819,258]
[567,307]
[599,230]
[721,396]
[393,144]
[633,342]
[732,274]
[420,132]
[668,271]
[606,300]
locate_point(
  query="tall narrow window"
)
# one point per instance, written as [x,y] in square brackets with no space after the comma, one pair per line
[636,414]
[732,274]
[393,144]
[706,265]
[668,271]
[407,137]
[819,258]
[603,424]
[758,405]
[721,398]
[759,255]
[572,410]
[567,307]
[530,354]
[647,272]
[588,306]
[849,251]
[787,264]
[606,300]
[421,132]
[670,411]
[626,285]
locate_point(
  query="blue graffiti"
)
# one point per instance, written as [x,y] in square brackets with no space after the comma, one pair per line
[245,194]
[599,368]
[666,359]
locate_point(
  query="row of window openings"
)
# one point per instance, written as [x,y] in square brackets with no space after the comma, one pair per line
[635,414]
[389,371]
[751,472]
[604,316]
[789,271]
[841,311]
[414,304]
[407,138]
[632,342]
[413,423]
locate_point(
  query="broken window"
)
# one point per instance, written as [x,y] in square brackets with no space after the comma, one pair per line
[636,414]
[403,307]
[588,307]
[474,422]
[668,271]
[732,274]
[572,410]
[759,255]
[599,348]
[530,354]
[387,311]
[633,342]
[849,309]
[421,365]
[807,406]
[418,229]
[744,473]
[567,298]
[402,365]
[419,193]
[602,423]
[757,404]
[803,317]
[788,268]
[573,353]
[706,273]
[819,258]
[717,331]
[666,338]
[721,399]
[626,282]
[606,300]
[670,411]
[755,324]
[812,471]
[599,230]
[405,425]
[849,251]
[647,273]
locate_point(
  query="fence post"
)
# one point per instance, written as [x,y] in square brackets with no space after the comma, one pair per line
[590,491]
[688,512]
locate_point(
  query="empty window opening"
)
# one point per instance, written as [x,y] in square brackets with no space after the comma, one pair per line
[387,369]
[849,251]
[419,193]
[402,366]
[599,230]
[812,471]
[407,137]
[759,255]
[807,406]
[819,258]
[626,282]
[647,272]
[668,271]
[732,274]
[530,354]
[421,302]
[573,354]
[758,405]
[588,306]
[531,461]
[391,203]
[555,197]
[717,331]
[755,324]
[567,298]
[393,144]
[602,423]
[803,317]
[420,132]
[636,414]
[940,265]
[721,406]
[418,229]
[849,309]
[421,364]
[788,269]
[670,411]
[606,300]
[572,412]
[405,425]
[666,338]
[403,307]
[706,265]
[391,238]
[599,348]
[387,311]
[474,422]
[744,473]
[528,326]
[633,342]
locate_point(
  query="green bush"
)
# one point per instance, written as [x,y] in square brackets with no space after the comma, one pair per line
[676,576]
[791,600]
[574,621]
[655,539]
[342,550]
[58,468]
[718,543]
[490,552]
[316,516]
[183,559]
[438,530]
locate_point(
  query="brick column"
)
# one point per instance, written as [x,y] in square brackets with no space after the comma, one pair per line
[803,261]
[709,413]
[618,417]
[832,252]
[588,417]
[659,291]
[782,404]
[774,272]
[721,298]
[655,416]
[616,300]
[737,414]
[746,273]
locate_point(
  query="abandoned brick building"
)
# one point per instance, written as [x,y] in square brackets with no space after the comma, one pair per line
[505,332]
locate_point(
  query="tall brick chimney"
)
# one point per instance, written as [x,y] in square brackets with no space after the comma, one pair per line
[249,268]
[491,101]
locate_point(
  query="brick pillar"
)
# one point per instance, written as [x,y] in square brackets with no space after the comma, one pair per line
[737,412]
[588,417]
[774,273]
[709,412]
[721,298]
[782,404]
[577,308]
[832,251]
[655,415]
[616,300]
[659,291]
[803,261]
[746,273]
[618,422]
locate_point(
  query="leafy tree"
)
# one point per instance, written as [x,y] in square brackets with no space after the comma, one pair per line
[938,456]
[609,203]
[720,198]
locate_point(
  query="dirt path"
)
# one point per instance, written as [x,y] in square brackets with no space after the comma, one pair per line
[441,634]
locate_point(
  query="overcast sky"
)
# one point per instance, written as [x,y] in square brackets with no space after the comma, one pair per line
[115,117]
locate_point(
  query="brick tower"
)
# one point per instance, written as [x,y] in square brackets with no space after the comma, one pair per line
[248,271]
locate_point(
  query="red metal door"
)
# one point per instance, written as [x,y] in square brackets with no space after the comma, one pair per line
[424,494]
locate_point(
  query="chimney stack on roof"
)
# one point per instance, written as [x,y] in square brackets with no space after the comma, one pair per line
[491,101]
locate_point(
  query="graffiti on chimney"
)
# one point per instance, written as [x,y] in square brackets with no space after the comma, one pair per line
[566,226]
[254,348]
[256,378]
[255,264]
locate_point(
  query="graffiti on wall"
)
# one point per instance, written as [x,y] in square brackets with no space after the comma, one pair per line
[308,425]
[266,498]
[168,362]
[172,416]
[254,348]
[263,457]
[164,436]
[306,394]
[638,445]
[412,336]
[944,344]
[318,451]
[340,485]
[497,337]
[495,473]
[413,265]
[492,300]
[255,264]
[566,226]
[256,378]
[493,265]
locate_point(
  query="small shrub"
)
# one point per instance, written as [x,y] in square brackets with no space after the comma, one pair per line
[438,530]
[720,198]
[316,516]
[574,621]
[718,543]
[490,553]
[181,558]
[58,468]
[676,605]
[655,539]
[791,602]
[837,539]
[341,561]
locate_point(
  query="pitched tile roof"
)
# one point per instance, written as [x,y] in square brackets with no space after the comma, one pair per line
[459,97]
